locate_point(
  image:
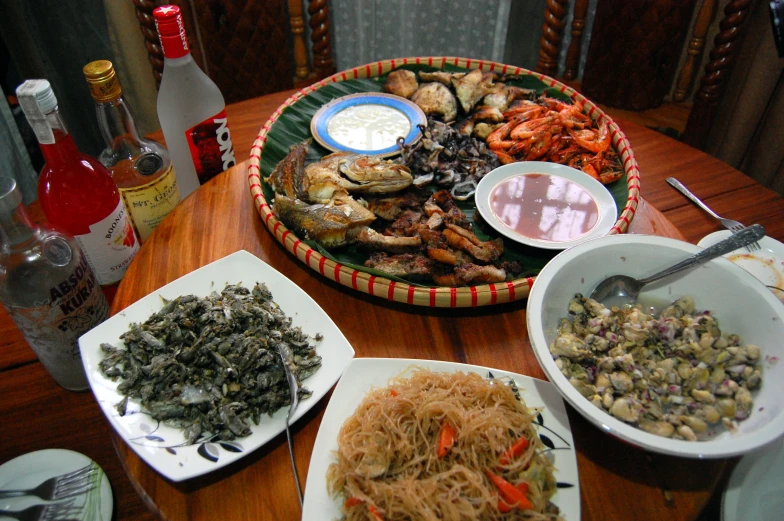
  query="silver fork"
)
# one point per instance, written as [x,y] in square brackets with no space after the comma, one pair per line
[60,487]
[292,381]
[730,224]
[49,512]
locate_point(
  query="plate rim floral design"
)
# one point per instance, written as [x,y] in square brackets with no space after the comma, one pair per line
[164,448]
[362,374]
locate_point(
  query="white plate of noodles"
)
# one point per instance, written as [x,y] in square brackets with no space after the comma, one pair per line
[550,453]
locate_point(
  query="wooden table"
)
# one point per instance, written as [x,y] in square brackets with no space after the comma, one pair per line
[618,482]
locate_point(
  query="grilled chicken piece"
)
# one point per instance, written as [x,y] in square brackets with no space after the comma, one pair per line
[435,98]
[471,273]
[405,265]
[287,177]
[401,82]
[473,87]
[506,95]
[331,225]
[482,130]
[407,223]
[442,205]
[443,256]
[441,76]
[372,240]
[465,240]
[391,207]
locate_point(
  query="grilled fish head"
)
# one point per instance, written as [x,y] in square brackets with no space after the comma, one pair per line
[288,176]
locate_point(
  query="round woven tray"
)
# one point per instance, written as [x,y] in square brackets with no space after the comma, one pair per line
[469,296]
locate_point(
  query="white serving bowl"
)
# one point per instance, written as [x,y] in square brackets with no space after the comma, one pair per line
[742,304]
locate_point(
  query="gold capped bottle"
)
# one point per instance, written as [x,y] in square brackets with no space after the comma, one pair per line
[141,168]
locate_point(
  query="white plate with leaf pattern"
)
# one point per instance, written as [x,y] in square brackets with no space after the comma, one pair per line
[165,448]
[364,374]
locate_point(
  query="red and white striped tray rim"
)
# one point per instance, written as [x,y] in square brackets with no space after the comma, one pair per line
[469,296]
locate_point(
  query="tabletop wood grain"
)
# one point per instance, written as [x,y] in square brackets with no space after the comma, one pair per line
[618,481]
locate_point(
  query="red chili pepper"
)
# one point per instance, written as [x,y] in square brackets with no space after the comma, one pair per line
[446,439]
[503,507]
[374,513]
[392,392]
[514,451]
[351,502]
[509,494]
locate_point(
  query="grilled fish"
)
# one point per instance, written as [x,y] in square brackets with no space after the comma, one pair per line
[331,225]
[354,173]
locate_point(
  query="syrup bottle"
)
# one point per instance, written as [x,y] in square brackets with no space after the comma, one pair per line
[191,109]
[141,168]
[76,192]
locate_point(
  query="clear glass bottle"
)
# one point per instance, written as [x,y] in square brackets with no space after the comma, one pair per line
[48,289]
[76,192]
[141,168]
[191,109]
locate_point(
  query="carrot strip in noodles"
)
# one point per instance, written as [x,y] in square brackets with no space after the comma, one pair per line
[446,439]
[514,451]
[509,493]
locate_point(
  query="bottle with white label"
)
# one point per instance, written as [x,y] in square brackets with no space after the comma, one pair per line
[48,289]
[76,192]
[191,109]
[140,167]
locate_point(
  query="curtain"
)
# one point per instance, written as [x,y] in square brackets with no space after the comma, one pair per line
[749,126]
[365,31]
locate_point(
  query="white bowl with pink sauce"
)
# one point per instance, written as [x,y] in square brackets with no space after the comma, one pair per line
[545,205]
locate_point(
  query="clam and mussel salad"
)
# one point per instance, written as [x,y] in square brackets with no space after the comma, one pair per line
[212,365]
[676,375]
[412,217]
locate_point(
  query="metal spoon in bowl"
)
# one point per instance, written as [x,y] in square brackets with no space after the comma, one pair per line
[620,290]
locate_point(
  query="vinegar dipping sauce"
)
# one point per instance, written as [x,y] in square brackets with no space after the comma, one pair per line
[368,126]
[544,207]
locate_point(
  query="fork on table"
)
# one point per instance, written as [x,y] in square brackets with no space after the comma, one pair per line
[63,511]
[730,224]
[60,487]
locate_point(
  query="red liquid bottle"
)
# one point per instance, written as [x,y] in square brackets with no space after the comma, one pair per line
[76,192]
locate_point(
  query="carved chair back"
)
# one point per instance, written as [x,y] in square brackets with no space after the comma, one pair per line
[634,51]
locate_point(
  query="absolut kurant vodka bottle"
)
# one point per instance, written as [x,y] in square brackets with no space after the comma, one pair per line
[48,289]
[141,168]
[191,109]
[76,192]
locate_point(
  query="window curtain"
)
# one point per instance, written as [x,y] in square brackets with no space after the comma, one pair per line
[371,30]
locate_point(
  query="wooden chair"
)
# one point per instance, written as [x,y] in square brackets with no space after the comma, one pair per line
[248,47]
[711,84]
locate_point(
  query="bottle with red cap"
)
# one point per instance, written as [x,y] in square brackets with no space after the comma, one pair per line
[191,109]
[76,192]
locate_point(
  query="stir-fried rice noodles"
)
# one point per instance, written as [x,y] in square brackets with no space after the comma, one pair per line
[388,465]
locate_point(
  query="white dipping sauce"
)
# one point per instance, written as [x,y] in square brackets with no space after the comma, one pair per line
[368,127]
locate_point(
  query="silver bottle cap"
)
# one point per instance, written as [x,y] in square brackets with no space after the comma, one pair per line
[37,99]
[10,195]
